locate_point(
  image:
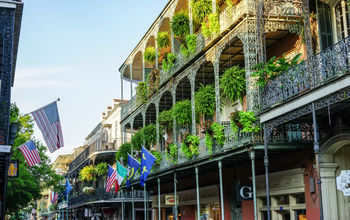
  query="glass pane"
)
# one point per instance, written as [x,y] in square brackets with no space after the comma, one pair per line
[283,200]
[325,24]
[300,198]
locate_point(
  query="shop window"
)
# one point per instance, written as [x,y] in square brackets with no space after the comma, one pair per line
[325,24]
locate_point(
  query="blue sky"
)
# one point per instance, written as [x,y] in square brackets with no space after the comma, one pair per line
[72,50]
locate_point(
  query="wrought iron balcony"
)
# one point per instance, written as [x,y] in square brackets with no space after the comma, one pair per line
[89,151]
[101,194]
[326,66]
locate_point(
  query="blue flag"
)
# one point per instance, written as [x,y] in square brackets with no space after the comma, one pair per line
[147,161]
[133,166]
[68,188]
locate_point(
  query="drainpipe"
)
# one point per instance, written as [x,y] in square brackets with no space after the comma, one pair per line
[252,157]
[159,199]
[175,196]
[317,156]
[266,164]
[221,191]
[197,189]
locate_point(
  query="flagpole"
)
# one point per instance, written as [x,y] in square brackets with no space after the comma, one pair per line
[132,203]
[144,200]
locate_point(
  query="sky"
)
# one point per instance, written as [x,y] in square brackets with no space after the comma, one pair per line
[72,50]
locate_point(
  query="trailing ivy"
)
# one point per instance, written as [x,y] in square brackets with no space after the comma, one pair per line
[190,46]
[150,55]
[211,27]
[215,133]
[153,82]
[166,118]
[101,169]
[122,153]
[182,111]
[190,146]
[264,72]
[163,39]
[233,83]
[142,92]
[205,100]
[168,61]
[201,9]
[209,143]
[180,25]
[87,173]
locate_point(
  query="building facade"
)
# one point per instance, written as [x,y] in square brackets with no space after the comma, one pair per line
[11,17]
[295,165]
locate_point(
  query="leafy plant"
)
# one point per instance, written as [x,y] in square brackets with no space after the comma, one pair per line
[137,140]
[142,92]
[212,26]
[168,62]
[264,72]
[173,151]
[247,122]
[163,39]
[150,135]
[209,143]
[87,173]
[158,156]
[214,133]
[190,146]
[101,169]
[180,25]
[88,190]
[150,55]
[122,153]
[205,100]
[166,118]
[201,9]
[182,111]
[190,46]
[233,83]
[153,82]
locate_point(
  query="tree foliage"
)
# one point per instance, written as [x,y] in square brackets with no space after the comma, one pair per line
[26,189]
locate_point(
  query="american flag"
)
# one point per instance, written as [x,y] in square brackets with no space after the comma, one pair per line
[53,197]
[48,121]
[112,177]
[30,153]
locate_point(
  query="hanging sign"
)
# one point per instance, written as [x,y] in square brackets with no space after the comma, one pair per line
[5,149]
[13,169]
[170,200]
[244,192]
[343,182]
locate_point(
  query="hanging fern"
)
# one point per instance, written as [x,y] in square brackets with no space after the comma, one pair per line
[246,121]
[180,25]
[211,27]
[166,118]
[122,153]
[205,100]
[233,83]
[142,92]
[150,135]
[168,62]
[101,169]
[137,140]
[163,39]
[190,146]
[182,111]
[86,174]
[150,55]
[190,46]
[201,9]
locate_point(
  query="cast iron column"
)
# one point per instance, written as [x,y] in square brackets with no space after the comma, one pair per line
[175,197]
[197,190]
[159,199]
[221,191]
[266,164]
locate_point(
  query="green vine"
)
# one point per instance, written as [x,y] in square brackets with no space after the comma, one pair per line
[158,156]
[201,9]
[190,146]
[168,61]
[209,143]
[214,133]
[142,92]
[212,26]
[150,55]
[233,83]
[163,39]
[205,100]
[122,153]
[173,151]
[182,111]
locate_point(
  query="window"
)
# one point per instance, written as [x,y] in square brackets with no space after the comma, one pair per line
[325,24]
[342,19]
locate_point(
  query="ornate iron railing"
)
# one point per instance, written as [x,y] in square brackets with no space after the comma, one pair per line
[101,194]
[326,66]
[90,150]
